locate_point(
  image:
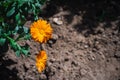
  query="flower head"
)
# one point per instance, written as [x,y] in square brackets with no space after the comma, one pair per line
[41,31]
[41,60]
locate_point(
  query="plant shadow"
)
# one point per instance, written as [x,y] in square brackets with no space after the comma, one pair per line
[92,12]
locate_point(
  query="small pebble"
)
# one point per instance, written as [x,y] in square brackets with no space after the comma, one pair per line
[43,77]
[86,46]
[54,36]
[58,21]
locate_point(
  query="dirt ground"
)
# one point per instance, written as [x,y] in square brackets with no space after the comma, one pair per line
[85,44]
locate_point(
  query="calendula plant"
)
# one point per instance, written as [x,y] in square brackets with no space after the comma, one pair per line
[13,16]
[41,31]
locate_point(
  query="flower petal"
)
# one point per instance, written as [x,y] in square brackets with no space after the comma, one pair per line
[41,61]
[41,31]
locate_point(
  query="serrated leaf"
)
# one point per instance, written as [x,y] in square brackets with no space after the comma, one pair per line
[2,41]
[10,12]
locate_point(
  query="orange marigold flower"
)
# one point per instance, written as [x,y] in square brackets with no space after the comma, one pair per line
[41,60]
[41,31]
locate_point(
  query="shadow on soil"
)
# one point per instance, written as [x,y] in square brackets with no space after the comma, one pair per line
[5,72]
[93,12]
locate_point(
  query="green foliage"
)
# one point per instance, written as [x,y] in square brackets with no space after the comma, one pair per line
[2,41]
[12,18]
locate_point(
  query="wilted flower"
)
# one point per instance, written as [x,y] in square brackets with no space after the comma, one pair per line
[41,60]
[41,31]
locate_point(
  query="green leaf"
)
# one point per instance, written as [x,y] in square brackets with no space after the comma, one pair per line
[23,17]
[35,17]
[37,4]
[2,41]
[27,36]
[21,2]
[16,29]
[0,30]
[18,47]
[25,52]
[10,12]
[13,44]
[42,1]
[3,24]
[33,8]
[17,17]
[17,53]
[1,19]
[25,29]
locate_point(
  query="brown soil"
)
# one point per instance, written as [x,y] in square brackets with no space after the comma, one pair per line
[86,46]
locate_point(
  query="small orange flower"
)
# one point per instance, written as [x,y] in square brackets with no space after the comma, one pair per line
[41,31]
[41,60]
